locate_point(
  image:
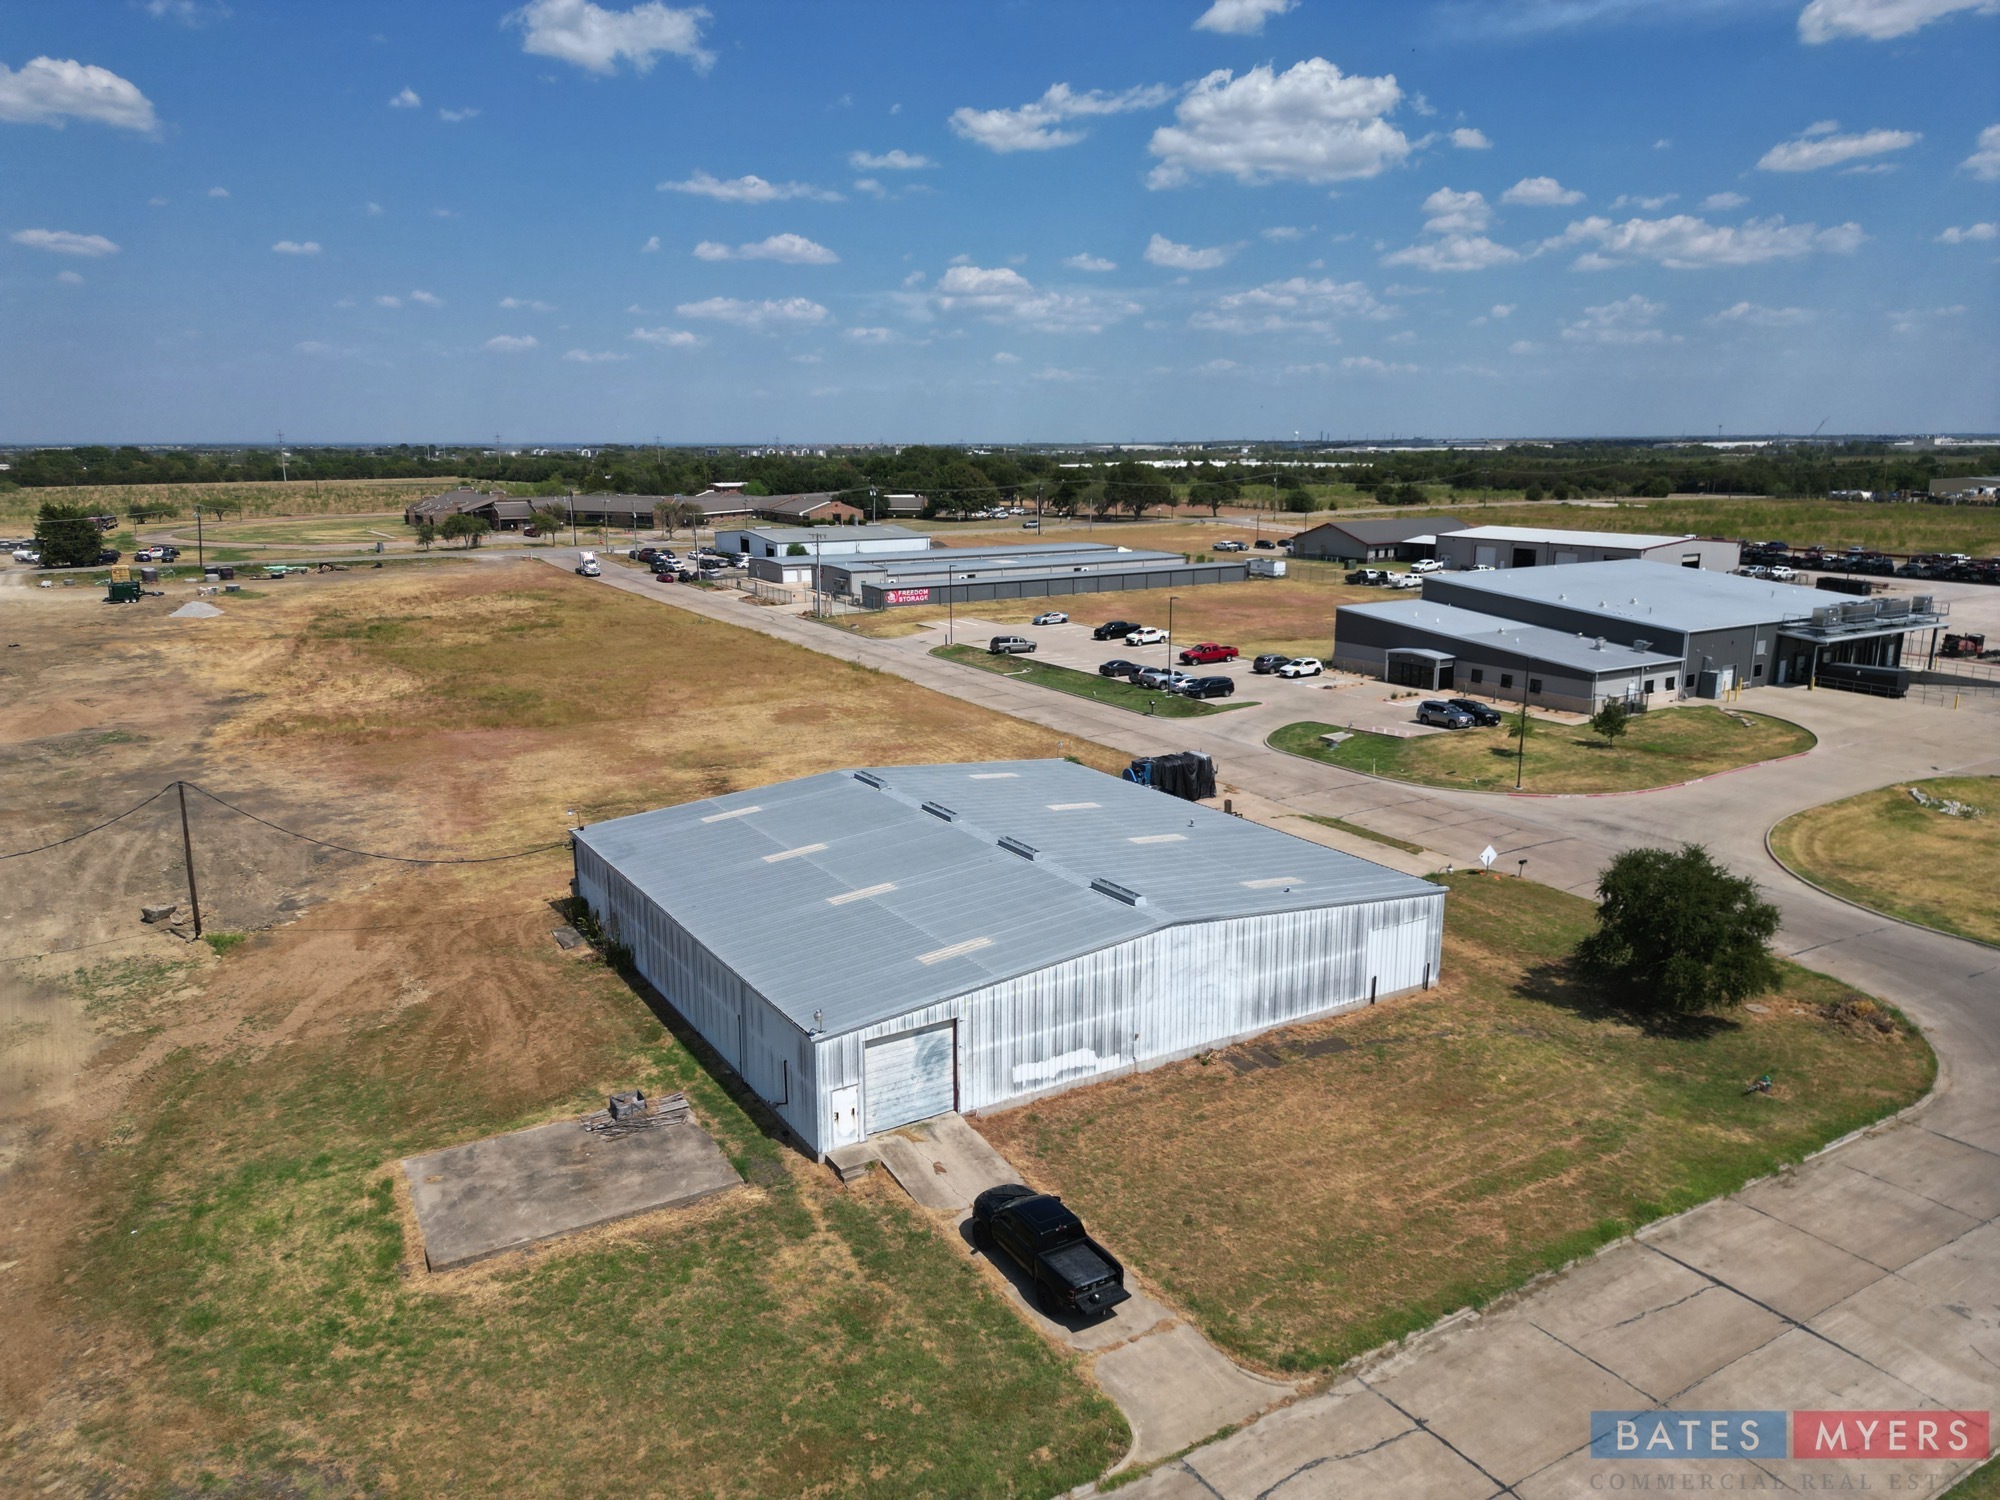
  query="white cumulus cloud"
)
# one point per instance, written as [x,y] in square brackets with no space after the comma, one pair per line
[1822,145]
[785,312]
[1032,127]
[792,249]
[407,99]
[51,91]
[526,304]
[872,335]
[1297,305]
[1373,366]
[1984,163]
[1453,252]
[297,247]
[667,338]
[652,245]
[70,278]
[1311,123]
[1241,17]
[1466,138]
[1756,315]
[510,343]
[1968,235]
[454,116]
[594,38]
[426,299]
[748,189]
[1719,203]
[1684,242]
[889,161]
[1541,192]
[1879,20]
[586,357]
[1161,251]
[1628,321]
[1089,262]
[1004,295]
[64,242]
[218,192]
[1447,212]
[386,300]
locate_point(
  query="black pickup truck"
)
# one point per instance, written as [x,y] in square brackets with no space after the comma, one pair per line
[1072,1273]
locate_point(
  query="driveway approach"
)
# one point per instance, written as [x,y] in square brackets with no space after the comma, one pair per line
[1867,1279]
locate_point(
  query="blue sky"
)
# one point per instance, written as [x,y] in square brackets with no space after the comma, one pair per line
[890,221]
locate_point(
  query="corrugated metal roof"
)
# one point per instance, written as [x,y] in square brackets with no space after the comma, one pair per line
[1554,648]
[861,899]
[1381,531]
[1633,590]
[1634,539]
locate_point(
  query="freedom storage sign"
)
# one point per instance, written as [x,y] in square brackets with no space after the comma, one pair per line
[1812,1434]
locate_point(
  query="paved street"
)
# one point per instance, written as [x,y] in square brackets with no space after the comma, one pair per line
[1868,1278]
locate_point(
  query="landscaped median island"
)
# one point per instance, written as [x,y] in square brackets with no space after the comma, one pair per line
[1937,865]
[1113,690]
[1344,1184]
[1657,749]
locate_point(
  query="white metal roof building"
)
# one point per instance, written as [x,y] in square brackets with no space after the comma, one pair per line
[1503,547]
[868,948]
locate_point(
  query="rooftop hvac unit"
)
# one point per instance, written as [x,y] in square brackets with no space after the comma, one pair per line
[1920,604]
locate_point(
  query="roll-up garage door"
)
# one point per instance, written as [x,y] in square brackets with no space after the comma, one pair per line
[909,1077]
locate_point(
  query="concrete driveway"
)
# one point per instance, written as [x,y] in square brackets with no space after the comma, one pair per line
[1868,1278]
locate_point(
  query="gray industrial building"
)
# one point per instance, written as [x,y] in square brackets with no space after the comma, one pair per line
[870,948]
[1385,539]
[770,549]
[1540,547]
[963,575]
[1692,633]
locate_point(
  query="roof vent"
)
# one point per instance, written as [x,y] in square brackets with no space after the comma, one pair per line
[1117,892]
[1642,645]
[939,810]
[1015,846]
[868,778]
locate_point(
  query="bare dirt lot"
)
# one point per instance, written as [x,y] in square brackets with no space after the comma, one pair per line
[206,1250]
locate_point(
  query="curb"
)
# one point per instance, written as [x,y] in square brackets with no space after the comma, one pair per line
[1772,855]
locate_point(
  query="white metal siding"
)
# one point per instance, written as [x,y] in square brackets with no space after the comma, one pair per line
[907,1077]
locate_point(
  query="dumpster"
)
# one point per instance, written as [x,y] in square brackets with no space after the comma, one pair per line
[123,591]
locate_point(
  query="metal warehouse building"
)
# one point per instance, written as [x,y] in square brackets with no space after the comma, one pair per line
[869,948]
[964,574]
[1538,547]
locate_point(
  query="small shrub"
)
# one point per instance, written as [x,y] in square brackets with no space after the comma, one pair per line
[225,942]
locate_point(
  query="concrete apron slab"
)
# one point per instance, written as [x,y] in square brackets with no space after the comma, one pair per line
[1174,1387]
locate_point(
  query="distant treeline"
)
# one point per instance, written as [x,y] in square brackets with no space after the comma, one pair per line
[968,479]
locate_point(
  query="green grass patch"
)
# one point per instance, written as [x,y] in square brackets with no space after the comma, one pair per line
[1658,749]
[787,1338]
[225,942]
[1885,851]
[1465,1140]
[1115,691]
[1366,833]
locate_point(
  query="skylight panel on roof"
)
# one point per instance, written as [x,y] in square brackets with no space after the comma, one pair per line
[772,859]
[1071,806]
[994,776]
[1273,882]
[861,895]
[735,812]
[1158,838]
[956,950]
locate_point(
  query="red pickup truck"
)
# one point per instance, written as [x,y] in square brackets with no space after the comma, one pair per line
[1206,652]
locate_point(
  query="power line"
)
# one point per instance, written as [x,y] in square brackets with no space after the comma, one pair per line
[97,828]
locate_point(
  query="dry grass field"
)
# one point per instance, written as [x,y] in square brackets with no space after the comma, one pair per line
[1974,530]
[300,497]
[1434,1151]
[207,1247]
[1885,851]
[1658,749]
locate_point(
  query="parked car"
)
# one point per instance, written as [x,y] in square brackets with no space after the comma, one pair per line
[1302,666]
[1146,635]
[1160,677]
[1437,711]
[108,555]
[1207,653]
[1207,687]
[1031,525]
[1118,667]
[1427,565]
[26,555]
[1050,617]
[1071,1273]
[1403,581]
[1286,543]
[1266,545]
[1485,715]
[1114,630]
[1269,662]
[589,569]
[1010,645]
[1780,573]
[1374,577]
[1230,545]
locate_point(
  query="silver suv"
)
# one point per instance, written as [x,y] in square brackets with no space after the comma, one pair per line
[1444,715]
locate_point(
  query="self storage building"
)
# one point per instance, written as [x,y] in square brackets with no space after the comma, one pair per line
[869,948]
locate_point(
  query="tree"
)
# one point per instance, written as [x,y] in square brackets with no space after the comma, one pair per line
[549,520]
[427,533]
[67,536]
[672,514]
[465,528]
[1214,493]
[795,549]
[1609,720]
[1520,726]
[1679,934]
[1138,488]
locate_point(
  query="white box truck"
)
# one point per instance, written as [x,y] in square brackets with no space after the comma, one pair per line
[1265,567]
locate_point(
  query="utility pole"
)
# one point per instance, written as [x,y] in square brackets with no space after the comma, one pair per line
[284,474]
[187,852]
[1170,633]
[200,556]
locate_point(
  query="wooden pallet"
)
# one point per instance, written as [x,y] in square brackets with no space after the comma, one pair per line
[659,1109]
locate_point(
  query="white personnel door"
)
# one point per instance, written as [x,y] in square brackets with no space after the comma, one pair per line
[909,1077]
[846,1116]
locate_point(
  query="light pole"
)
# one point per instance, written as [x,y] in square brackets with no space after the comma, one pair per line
[1170,633]
[950,604]
[200,554]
